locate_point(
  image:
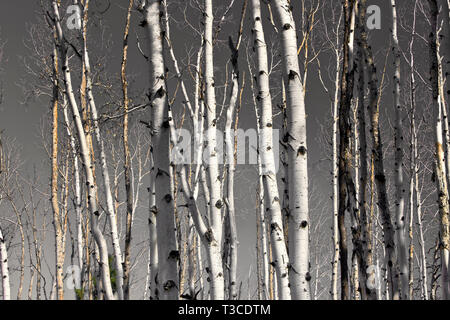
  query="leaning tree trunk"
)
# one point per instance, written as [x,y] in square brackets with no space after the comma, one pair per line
[281,260]
[110,210]
[398,145]
[440,159]
[380,177]
[164,202]
[299,275]
[85,155]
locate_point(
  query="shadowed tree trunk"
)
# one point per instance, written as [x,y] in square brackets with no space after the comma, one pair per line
[380,177]
[440,158]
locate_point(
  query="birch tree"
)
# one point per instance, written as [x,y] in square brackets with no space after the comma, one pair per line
[281,259]
[58,218]
[168,254]
[85,154]
[299,274]
[6,289]
[103,161]
[440,159]
[380,177]
[127,156]
[398,138]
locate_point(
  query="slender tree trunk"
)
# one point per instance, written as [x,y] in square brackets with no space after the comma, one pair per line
[127,157]
[104,166]
[335,181]
[299,275]
[440,159]
[398,145]
[77,201]
[281,260]
[85,155]
[211,151]
[57,218]
[380,178]
[347,193]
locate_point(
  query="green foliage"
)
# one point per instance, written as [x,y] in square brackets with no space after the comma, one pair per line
[112,272]
[79,293]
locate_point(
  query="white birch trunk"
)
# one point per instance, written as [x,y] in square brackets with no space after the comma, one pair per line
[299,275]
[6,289]
[168,254]
[398,145]
[154,261]
[281,260]
[335,183]
[216,203]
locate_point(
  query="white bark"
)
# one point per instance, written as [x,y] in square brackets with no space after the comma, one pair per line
[231,168]
[85,155]
[299,275]
[281,260]
[440,158]
[164,206]
[398,144]
[335,182]
[6,289]
[215,201]
[104,166]
[154,261]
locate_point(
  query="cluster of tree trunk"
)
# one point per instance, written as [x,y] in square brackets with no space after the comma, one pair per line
[135,138]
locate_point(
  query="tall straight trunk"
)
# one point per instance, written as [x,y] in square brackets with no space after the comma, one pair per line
[440,159]
[215,203]
[446,30]
[231,153]
[299,275]
[380,177]
[231,168]
[104,166]
[365,249]
[347,193]
[398,145]
[127,157]
[154,261]
[85,155]
[168,255]
[57,217]
[414,188]
[77,200]
[211,118]
[260,207]
[335,181]
[281,260]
